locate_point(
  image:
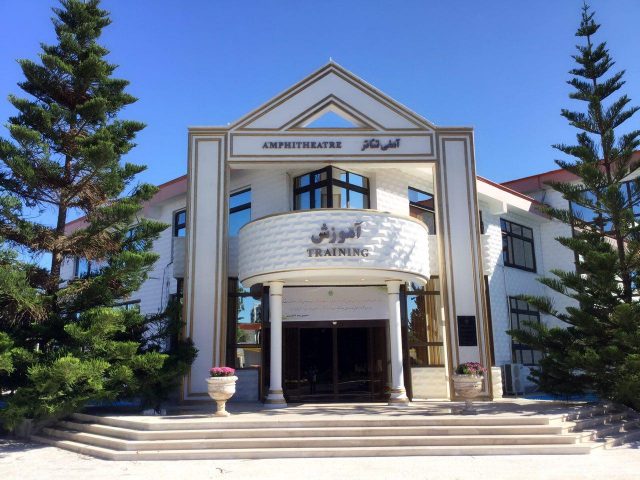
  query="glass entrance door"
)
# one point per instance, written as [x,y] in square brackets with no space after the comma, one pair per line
[335,361]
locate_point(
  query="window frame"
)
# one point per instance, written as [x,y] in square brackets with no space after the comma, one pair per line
[129,304]
[179,226]
[423,207]
[329,182]
[521,347]
[76,266]
[232,323]
[238,208]
[412,290]
[506,235]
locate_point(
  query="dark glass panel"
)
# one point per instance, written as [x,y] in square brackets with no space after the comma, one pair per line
[358,200]
[240,198]
[303,201]
[302,181]
[237,220]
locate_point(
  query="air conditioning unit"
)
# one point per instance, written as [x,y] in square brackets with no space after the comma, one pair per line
[514,377]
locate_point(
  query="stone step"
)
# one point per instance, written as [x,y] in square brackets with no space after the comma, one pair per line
[612,434]
[631,433]
[307,442]
[596,421]
[206,422]
[591,411]
[298,452]
[212,433]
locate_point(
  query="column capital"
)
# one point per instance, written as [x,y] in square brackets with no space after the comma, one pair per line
[275,288]
[393,286]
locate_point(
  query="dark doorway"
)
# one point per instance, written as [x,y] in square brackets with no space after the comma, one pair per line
[335,361]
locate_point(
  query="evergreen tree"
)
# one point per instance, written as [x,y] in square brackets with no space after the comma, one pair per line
[64,156]
[600,348]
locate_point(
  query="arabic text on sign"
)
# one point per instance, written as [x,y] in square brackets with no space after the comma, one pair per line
[374,143]
[337,237]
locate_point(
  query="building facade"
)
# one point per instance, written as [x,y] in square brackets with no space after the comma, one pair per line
[335,246]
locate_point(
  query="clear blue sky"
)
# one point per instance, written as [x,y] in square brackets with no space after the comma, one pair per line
[499,66]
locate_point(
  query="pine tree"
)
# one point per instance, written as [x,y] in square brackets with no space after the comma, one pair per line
[600,348]
[65,157]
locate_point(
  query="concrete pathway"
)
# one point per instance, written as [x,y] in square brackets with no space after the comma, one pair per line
[27,461]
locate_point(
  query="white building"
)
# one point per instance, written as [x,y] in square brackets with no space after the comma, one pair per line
[334,245]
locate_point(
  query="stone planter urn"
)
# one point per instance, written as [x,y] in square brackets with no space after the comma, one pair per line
[221,386]
[468,382]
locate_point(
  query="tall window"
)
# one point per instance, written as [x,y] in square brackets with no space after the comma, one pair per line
[239,210]
[522,312]
[421,206]
[423,315]
[180,223]
[330,187]
[517,246]
[81,267]
[244,326]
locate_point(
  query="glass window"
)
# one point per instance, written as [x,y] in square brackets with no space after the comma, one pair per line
[303,201]
[423,316]
[330,187]
[82,267]
[522,312]
[130,305]
[358,200]
[517,246]
[320,197]
[180,223]
[239,211]
[240,199]
[421,206]
[244,323]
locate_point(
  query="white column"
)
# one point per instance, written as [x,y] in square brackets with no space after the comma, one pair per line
[398,393]
[275,398]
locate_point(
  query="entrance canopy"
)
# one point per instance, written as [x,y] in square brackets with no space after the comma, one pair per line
[334,246]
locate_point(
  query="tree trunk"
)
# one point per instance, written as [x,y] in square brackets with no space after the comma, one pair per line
[56,253]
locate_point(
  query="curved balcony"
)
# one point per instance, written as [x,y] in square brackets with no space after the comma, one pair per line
[333,246]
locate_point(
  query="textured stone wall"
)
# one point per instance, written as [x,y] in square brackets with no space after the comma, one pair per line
[508,281]
[283,242]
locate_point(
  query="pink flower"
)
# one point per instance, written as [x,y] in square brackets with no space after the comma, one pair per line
[222,372]
[471,368]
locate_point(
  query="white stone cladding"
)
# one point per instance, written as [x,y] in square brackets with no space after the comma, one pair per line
[505,282]
[283,244]
[67,269]
[155,291]
[429,383]
[270,193]
[391,190]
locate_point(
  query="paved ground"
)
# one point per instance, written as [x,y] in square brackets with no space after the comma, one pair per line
[22,461]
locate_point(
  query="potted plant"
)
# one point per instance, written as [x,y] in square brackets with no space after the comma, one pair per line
[468,382]
[221,385]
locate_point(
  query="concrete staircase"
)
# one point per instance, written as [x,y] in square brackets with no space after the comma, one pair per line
[308,435]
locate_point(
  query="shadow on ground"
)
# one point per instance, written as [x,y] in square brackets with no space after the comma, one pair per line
[9,445]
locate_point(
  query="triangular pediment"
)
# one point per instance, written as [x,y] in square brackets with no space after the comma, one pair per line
[335,113]
[329,92]
[329,119]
